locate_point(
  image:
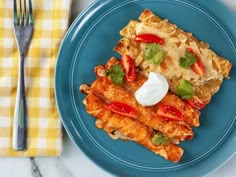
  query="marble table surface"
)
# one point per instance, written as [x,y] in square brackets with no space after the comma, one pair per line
[72,162]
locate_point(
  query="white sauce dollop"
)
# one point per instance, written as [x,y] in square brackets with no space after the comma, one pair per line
[153,90]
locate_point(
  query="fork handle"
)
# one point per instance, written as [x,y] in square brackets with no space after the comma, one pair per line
[20,113]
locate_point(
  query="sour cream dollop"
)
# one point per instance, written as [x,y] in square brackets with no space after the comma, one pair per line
[153,90]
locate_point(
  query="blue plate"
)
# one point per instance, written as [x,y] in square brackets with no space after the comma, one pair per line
[90,41]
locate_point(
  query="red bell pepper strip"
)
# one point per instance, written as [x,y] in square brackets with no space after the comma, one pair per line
[195,102]
[122,109]
[149,38]
[129,68]
[170,113]
[198,66]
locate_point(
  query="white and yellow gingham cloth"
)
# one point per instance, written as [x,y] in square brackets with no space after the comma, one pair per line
[51,19]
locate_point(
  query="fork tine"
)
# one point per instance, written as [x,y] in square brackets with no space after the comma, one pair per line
[21,15]
[15,13]
[31,16]
[25,16]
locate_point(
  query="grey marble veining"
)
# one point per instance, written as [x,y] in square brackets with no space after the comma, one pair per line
[46,167]
[49,167]
[34,168]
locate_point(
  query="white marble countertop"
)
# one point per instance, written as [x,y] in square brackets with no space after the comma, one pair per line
[73,163]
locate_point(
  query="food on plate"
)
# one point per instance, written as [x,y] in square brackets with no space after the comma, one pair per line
[192,69]
[156,127]
[154,94]
[191,115]
[130,129]
[112,92]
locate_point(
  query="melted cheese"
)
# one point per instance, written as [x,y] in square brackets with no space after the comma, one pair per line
[174,53]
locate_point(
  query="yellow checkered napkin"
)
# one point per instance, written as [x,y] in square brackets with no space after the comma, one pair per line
[44,128]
